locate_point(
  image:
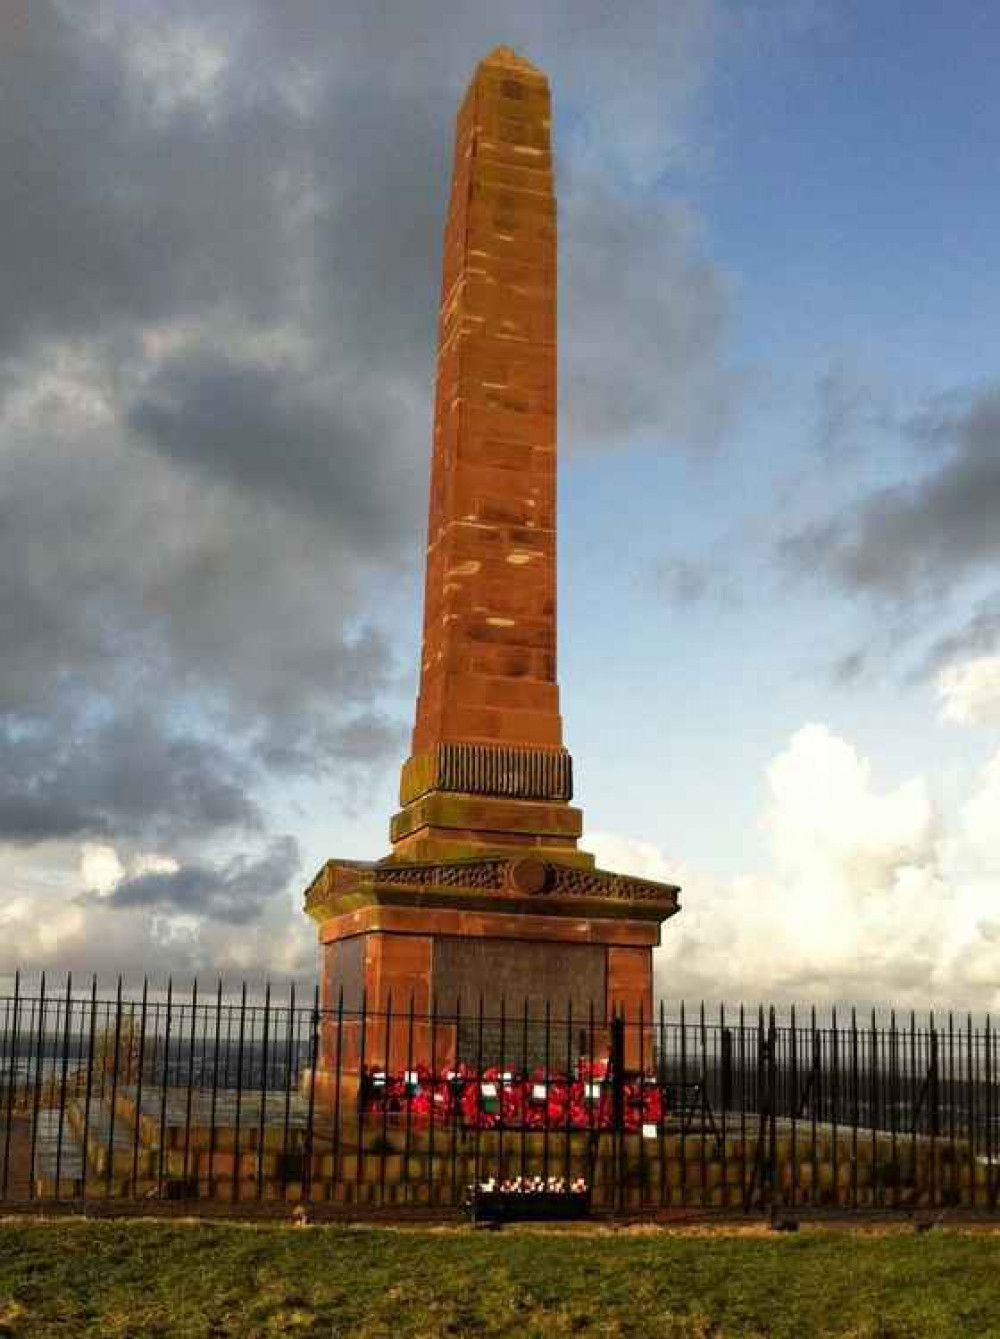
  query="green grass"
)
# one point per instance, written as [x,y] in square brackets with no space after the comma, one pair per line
[152,1278]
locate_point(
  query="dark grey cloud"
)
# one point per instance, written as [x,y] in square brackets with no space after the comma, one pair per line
[368,743]
[123,578]
[116,211]
[236,892]
[918,538]
[914,551]
[644,353]
[126,778]
[276,434]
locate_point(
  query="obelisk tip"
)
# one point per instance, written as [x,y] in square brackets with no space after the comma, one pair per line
[508,57]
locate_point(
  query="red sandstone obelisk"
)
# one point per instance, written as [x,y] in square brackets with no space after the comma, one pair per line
[488,722]
[484,894]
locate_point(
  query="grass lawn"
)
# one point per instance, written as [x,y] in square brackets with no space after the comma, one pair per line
[152,1278]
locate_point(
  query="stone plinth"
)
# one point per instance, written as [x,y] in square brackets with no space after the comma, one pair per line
[511,938]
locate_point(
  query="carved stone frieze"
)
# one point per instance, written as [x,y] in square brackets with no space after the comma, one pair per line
[544,881]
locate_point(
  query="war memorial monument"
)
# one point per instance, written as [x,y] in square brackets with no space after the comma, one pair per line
[485,894]
[482,1034]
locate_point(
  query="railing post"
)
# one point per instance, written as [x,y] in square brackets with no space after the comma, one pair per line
[793,1105]
[478,1105]
[595,1108]
[726,1077]
[64,1072]
[765,1151]
[386,1090]
[855,1105]
[772,1073]
[972,1083]
[956,1190]
[504,1068]
[934,1077]
[874,1087]
[214,1099]
[11,1083]
[547,1081]
[725,1096]
[164,1087]
[932,1098]
[835,1103]
[237,1142]
[743,1109]
[362,1094]
[683,1105]
[618,1102]
[702,1083]
[409,1089]
[140,1066]
[37,1102]
[894,1104]
[914,1112]
[567,1136]
[289,1071]
[262,1113]
[89,1086]
[990,1078]
[432,1189]
[337,1084]
[311,1114]
[109,1171]
[524,1071]
[192,1042]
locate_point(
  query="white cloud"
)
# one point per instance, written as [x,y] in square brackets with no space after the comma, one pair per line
[38,932]
[102,870]
[47,925]
[975,849]
[825,821]
[152,864]
[971,691]
[869,900]
[42,931]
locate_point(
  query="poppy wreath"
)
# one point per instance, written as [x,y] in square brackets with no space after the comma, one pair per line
[496,1098]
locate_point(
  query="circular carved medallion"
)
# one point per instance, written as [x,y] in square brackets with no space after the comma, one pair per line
[529,875]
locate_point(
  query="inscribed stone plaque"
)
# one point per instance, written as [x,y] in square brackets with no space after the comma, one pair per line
[572,977]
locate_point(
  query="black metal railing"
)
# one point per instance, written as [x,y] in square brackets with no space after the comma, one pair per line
[186,1096]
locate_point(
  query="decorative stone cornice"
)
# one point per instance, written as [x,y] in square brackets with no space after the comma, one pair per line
[525,883]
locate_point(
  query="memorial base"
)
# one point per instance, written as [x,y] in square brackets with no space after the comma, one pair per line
[488,960]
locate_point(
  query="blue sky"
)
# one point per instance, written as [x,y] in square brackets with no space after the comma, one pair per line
[779,446]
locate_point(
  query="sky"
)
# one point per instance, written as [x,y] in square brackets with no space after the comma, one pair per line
[779,472]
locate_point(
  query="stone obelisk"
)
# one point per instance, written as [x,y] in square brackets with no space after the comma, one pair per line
[484,896]
[488,768]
